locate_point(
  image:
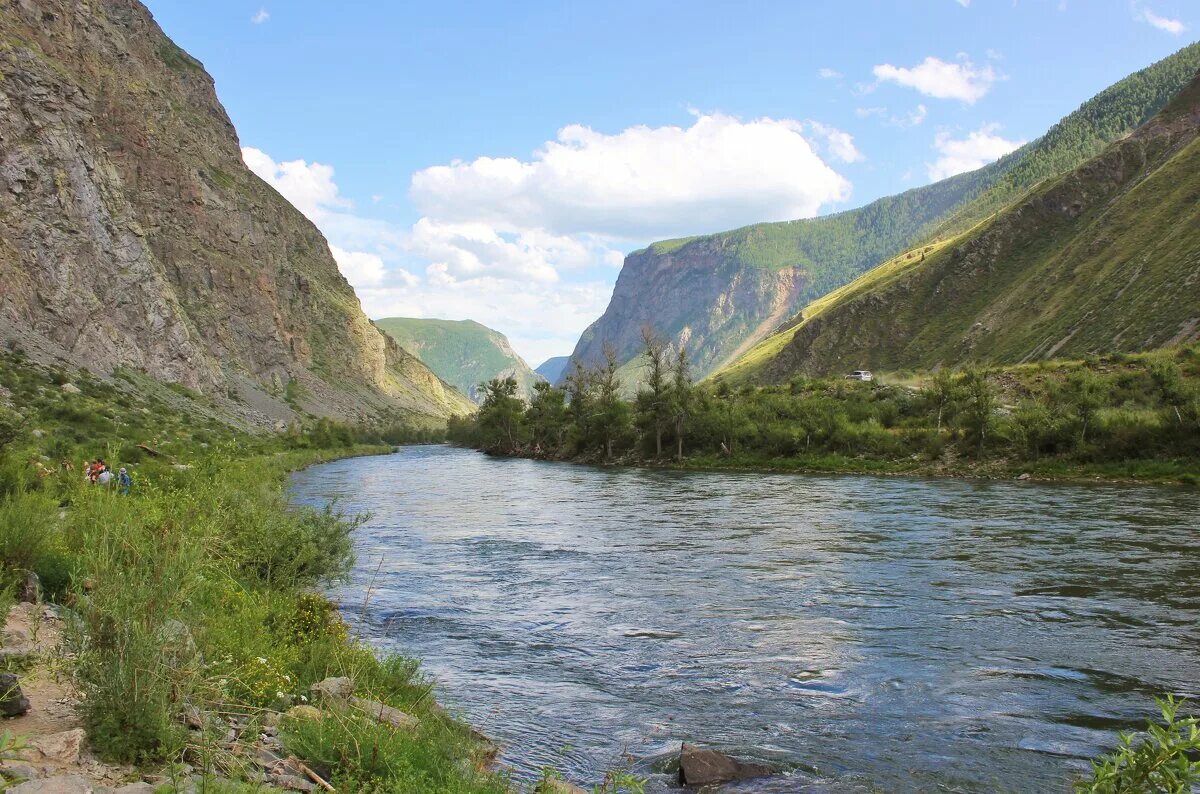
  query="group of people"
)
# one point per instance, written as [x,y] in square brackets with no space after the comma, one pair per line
[98,473]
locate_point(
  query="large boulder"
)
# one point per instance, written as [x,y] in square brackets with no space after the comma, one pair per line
[59,784]
[336,689]
[13,702]
[699,766]
[385,713]
[62,747]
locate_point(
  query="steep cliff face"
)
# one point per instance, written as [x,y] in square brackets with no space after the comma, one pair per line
[462,352]
[721,294]
[131,233]
[1105,258]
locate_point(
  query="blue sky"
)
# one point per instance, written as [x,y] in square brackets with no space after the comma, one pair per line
[494,161]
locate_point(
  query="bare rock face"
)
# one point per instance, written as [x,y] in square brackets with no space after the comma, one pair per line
[132,234]
[697,295]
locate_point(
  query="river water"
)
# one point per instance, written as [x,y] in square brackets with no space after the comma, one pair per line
[864,633]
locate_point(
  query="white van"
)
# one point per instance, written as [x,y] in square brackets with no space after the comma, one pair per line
[860,374]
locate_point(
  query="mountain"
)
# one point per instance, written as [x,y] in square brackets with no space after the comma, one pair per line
[1105,258]
[132,234]
[719,294]
[553,368]
[462,352]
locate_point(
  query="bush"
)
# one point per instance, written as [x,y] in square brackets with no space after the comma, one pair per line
[1163,759]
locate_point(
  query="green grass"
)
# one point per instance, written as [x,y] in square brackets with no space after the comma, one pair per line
[201,587]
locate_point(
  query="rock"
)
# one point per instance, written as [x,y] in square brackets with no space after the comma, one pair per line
[31,589]
[38,433]
[385,713]
[71,388]
[63,747]
[291,782]
[1023,475]
[13,702]
[340,688]
[702,767]
[553,785]
[15,769]
[301,713]
[59,784]
[177,640]
[136,788]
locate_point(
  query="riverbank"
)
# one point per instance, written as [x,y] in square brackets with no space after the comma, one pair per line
[1120,419]
[176,635]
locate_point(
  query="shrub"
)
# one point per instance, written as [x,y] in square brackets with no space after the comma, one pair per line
[1162,759]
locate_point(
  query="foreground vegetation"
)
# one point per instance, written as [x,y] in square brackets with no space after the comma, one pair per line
[199,592]
[1121,417]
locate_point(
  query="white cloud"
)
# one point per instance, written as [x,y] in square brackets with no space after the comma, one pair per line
[540,319]
[979,148]
[262,16]
[838,144]
[530,247]
[942,79]
[641,183]
[963,3]
[828,74]
[918,115]
[308,186]
[1172,26]
[360,268]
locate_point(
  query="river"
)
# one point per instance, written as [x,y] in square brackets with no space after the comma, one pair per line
[865,633]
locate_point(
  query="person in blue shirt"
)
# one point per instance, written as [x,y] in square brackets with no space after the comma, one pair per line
[124,481]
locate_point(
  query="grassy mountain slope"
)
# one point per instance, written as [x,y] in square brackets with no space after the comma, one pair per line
[1104,258]
[133,235]
[720,294]
[462,352]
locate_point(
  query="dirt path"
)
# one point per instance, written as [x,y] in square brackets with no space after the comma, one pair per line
[53,757]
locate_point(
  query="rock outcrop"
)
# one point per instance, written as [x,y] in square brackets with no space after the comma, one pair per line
[132,234]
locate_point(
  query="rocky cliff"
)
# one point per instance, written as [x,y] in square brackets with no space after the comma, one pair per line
[1104,258]
[132,235]
[462,352]
[721,294]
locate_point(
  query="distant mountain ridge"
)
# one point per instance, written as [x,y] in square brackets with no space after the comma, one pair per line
[553,368]
[462,352]
[1105,258]
[720,294]
[133,235]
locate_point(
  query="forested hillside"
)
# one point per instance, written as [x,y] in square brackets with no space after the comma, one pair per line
[1105,258]
[719,294]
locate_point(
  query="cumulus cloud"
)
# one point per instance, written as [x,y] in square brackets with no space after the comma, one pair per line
[262,16]
[361,269]
[958,155]
[640,183]
[530,246]
[838,144]
[1172,26]
[826,73]
[308,186]
[940,79]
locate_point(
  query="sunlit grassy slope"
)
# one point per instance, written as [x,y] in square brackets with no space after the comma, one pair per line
[1104,258]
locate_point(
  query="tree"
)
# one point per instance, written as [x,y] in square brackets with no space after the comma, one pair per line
[1087,396]
[612,413]
[942,393]
[978,406]
[501,416]
[682,395]
[546,416]
[654,401]
[580,391]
